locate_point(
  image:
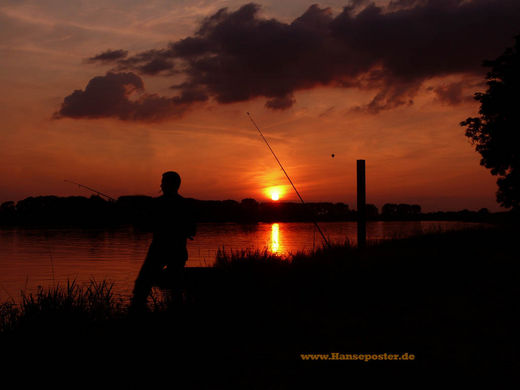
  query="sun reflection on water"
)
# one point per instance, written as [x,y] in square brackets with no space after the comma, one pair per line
[275,238]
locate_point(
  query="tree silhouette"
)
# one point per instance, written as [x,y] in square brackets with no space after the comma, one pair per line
[496,132]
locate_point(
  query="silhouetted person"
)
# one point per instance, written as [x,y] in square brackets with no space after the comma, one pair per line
[172,223]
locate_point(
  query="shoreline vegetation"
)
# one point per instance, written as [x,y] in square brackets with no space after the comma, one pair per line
[79,211]
[447,298]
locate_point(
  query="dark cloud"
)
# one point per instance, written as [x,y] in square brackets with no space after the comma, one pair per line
[150,62]
[108,56]
[453,93]
[280,102]
[118,95]
[391,96]
[237,56]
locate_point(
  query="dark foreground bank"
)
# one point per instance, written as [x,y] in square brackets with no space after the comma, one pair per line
[449,300]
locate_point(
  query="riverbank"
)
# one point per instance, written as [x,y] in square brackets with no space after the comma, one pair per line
[448,299]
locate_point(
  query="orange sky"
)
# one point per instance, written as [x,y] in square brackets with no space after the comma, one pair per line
[415,153]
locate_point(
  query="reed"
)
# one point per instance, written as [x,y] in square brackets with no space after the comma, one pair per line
[60,304]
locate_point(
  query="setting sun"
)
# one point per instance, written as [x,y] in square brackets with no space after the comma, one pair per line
[275,193]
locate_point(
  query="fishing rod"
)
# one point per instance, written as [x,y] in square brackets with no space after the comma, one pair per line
[91,189]
[288,178]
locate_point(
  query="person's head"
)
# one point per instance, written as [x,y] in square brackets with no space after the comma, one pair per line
[170,183]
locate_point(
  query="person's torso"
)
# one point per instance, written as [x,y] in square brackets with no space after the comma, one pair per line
[171,219]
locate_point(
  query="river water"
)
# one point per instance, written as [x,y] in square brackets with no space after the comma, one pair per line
[38,257]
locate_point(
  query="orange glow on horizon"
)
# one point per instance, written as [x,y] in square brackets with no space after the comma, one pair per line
[275,193]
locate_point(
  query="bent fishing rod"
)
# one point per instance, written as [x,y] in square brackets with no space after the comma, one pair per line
[91,189]
[288,178]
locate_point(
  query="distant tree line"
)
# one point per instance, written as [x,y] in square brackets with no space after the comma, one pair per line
[132,210]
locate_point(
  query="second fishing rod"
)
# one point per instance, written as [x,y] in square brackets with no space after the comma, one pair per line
[288,178]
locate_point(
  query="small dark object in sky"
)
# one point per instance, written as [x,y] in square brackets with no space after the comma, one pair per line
[332,155]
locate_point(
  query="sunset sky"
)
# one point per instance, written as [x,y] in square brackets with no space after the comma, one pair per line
[111,93]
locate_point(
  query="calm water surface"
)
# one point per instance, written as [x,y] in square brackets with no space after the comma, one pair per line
[36,257]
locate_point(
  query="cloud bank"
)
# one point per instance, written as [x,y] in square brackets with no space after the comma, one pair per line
[235,56]
[119,95]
